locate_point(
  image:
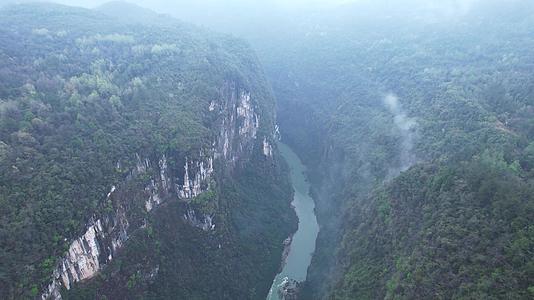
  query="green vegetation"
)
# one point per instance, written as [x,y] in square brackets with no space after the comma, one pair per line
[457,224]
[81,93]
[193,264]
[417,130]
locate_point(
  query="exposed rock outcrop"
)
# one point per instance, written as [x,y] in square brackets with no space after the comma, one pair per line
[204,222]
[86,255]
[289,289]
[196,178]
[285,253]
[106,233]
[267,148]
[239,123]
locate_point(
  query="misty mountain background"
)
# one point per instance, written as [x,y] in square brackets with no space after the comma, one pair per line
[239,16]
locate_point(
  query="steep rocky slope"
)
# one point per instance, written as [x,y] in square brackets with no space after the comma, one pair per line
[135,160]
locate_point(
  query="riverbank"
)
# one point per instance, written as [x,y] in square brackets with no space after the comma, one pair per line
[302,243]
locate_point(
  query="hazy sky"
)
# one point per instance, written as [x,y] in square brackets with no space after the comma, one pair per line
[192,8]
[161,4]
[238,16]
[219,14]
[189,9]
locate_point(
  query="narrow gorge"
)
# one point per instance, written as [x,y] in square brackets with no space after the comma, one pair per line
[148,163]
[301,245]
[279,150]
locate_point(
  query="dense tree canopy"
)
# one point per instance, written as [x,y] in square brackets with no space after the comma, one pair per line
[457,224]
[83,92]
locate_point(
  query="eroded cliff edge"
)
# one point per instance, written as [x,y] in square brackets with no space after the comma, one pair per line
[158,146]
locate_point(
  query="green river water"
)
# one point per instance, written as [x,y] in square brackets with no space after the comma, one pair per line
[303,243]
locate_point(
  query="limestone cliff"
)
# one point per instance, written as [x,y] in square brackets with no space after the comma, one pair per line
[130,153]
[237,125]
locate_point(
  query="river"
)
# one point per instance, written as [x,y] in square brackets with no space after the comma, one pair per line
[303,243]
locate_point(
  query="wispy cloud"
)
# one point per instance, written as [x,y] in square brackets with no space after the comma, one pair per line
[405,126]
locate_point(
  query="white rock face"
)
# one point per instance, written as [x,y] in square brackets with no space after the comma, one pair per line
[212,106]
[113,188]
[82,258]
[205,222]
[196,178]
[105,235]
[163,171]
[157,187]
[81,261]
[154,198]
[142,164]
[85,255]
[250,124]
[267,148]
[239,124]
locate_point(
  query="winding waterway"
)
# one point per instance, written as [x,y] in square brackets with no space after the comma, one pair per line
[303,243]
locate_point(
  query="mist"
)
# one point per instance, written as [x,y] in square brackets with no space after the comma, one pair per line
[251,19]
[405,127]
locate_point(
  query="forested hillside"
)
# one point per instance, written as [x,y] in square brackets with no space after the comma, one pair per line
[133,161]
[138,154]
[425,127]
